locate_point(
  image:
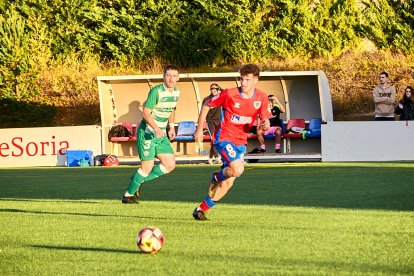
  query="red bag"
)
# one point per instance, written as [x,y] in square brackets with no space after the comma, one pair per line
[111,160]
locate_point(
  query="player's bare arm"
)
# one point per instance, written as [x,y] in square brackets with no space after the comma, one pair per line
[265,124]
[148,118]
[171,131]
[281,107]
[198,135]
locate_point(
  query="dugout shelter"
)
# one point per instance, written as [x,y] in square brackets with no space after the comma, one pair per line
[305,95]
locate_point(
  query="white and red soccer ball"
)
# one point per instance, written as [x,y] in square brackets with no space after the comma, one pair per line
[150,239]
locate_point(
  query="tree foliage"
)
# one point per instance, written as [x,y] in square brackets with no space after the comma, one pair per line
[189,32]
[22,46]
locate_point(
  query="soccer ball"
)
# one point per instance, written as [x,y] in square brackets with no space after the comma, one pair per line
[150,239]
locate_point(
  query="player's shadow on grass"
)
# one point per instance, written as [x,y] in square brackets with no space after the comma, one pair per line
[50,200]
[11,210]
[93,249]
[61,213]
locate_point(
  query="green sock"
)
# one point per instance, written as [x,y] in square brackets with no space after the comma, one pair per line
[156,171]
[136,181]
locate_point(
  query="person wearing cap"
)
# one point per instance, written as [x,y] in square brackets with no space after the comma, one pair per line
[213,120]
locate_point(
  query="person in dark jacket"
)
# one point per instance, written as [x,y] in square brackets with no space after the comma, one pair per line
[405,107]
[213,120]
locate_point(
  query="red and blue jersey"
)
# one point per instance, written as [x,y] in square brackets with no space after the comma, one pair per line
[239,114]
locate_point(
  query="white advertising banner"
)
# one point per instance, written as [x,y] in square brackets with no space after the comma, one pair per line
[46,146]
[368,141]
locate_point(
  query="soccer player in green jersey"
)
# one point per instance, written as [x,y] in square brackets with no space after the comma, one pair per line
[152,139]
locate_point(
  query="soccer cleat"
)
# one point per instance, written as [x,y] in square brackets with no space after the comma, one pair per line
[257,150]
[213,186]
[217,161]
[199,215]
[130,200]
[278,151]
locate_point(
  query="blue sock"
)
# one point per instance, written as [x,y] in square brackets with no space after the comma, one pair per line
[220,176]
[206,204]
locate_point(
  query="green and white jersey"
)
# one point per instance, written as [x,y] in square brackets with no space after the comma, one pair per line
[162,102]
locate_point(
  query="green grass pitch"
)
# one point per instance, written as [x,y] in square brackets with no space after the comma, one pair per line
[279,219]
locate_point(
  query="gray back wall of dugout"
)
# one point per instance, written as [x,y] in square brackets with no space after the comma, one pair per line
[305,94]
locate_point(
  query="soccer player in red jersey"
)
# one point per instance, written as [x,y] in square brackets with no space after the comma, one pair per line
[240,108]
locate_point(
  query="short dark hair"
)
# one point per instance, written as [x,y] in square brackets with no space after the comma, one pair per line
[216,86]
[384,73]
[171,67]
[250,68]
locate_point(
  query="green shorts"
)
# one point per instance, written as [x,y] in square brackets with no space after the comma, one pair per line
[150,146]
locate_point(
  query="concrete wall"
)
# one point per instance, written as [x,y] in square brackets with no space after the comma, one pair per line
[368,141]
[341,141]
[46,146]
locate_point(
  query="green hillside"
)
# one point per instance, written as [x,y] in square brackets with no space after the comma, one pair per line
[52,51]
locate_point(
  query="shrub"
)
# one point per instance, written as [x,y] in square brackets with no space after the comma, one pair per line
[23,53]
[14,114]
[52,51]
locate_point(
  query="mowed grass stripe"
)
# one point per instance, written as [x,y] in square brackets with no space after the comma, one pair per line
[344,222]
[236,239]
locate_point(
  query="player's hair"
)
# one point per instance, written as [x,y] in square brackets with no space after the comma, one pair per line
[171,67]
[384,73]
[250,68]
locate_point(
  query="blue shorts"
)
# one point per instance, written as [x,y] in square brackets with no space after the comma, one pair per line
[229,152]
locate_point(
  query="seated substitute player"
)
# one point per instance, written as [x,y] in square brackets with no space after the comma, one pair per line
[240,108]
[276,127]
[152,139]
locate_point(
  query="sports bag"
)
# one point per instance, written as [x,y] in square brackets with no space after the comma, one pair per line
[118,131]
[99,159]
[110,161]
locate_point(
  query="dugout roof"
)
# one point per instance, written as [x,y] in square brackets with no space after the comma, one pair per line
[305,94]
